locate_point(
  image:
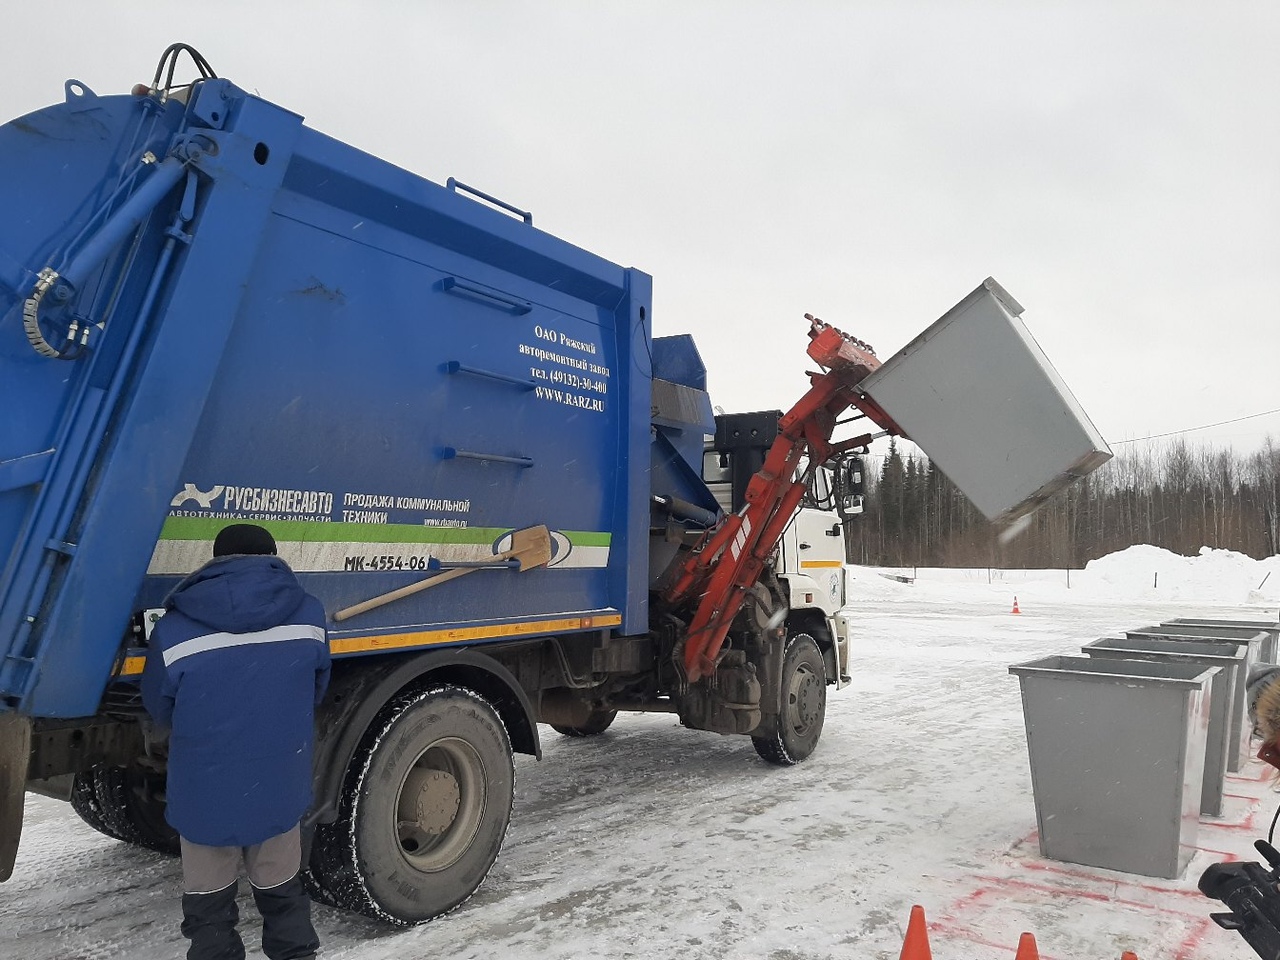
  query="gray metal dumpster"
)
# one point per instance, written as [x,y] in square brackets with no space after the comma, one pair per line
[1241,728]
[936,389]
[1228,659]
[1270,646]
[1117,753]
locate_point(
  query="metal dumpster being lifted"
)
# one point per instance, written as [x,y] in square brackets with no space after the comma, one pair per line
[977,370]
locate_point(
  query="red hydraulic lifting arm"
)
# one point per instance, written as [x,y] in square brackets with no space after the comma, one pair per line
[731,557]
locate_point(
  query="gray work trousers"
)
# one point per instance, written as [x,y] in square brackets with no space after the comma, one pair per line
[274,861]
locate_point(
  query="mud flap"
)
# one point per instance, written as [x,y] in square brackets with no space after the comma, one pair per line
[15,754]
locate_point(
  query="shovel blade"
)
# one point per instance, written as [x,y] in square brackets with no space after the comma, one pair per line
[531,546]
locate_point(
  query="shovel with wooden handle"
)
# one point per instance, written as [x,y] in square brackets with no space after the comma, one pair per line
[530,547]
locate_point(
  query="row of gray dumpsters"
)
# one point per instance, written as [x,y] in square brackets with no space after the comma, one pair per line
[1131,741]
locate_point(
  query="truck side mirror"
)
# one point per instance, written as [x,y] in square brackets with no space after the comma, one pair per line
[850,488]
[854,484]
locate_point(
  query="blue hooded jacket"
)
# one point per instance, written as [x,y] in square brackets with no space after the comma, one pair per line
[235,668]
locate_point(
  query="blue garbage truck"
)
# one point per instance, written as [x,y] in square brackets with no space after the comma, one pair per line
[514,502]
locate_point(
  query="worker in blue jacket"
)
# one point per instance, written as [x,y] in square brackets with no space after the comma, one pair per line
[234,669]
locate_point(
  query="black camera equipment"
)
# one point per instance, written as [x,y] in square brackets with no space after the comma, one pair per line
[1252,894]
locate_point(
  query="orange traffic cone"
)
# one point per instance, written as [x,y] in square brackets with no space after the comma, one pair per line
[916,945]
[1026,943]
[1128,955]
[1015,606]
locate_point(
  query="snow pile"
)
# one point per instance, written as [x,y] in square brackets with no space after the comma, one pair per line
[1140,573]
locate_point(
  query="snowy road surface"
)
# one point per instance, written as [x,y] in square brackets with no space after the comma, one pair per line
[651,841]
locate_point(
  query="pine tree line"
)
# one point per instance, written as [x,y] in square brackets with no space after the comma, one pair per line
[1175,496]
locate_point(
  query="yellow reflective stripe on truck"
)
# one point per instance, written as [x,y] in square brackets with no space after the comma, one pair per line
[398,641]
[820,563]
[425,638]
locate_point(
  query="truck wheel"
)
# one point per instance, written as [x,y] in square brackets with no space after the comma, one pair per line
[424,809]
[597,722]
[804,704]
[85,802]
[124,803]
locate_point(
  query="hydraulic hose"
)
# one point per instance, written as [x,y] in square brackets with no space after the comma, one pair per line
[125,220]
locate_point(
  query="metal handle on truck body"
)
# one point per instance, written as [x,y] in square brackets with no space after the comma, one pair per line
[482,294]
[451,453]
[434,564]
[457,366]
[456,185]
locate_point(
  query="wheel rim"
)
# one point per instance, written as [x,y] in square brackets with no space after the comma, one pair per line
[804,699]
[440,804]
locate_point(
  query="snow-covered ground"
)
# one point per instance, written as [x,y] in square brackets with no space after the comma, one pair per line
[652,841]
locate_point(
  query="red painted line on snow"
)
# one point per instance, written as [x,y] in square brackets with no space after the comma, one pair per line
[1193,939]
[1227,856]
[961,932]
[967,899]
[1249,821]
[1219,853]
[1248,826]
[951,926]
[994,887]
[1016,884]
[1135,884]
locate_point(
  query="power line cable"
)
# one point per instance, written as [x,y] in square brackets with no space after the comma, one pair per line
[1174,433]
[879,457]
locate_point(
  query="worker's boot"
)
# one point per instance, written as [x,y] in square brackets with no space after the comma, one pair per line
[287,933]
[209,922]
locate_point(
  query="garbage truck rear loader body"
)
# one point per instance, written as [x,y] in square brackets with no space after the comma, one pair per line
[210,313]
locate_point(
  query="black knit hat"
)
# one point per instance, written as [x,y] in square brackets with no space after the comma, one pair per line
[242,538]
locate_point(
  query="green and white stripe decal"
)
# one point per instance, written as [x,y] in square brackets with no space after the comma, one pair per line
[186,543]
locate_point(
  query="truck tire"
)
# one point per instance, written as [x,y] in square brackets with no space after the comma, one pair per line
[124,803]
[597,722]
[424,809]
[804,704]
[85,802]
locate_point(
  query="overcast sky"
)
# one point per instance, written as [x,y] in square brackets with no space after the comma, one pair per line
[1116,166]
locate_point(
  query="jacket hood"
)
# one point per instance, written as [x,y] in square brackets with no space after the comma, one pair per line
[239,594]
